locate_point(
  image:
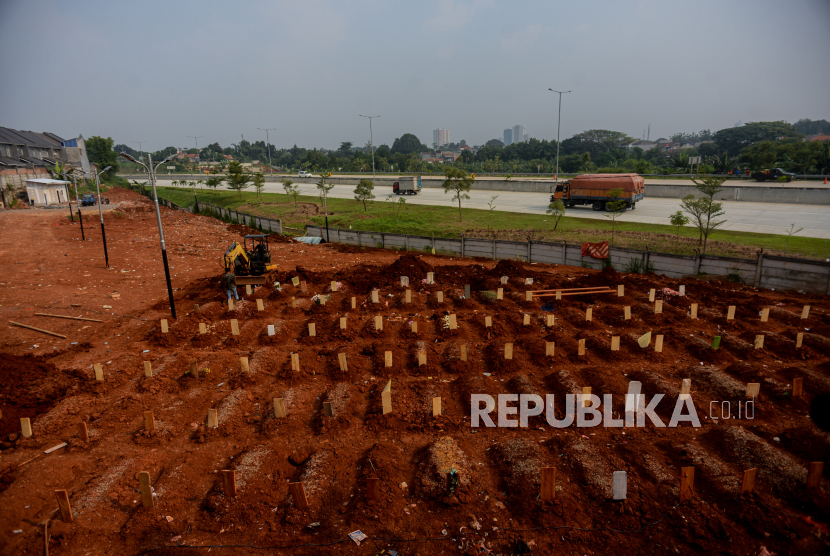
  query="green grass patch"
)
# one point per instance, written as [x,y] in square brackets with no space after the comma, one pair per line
[438,221]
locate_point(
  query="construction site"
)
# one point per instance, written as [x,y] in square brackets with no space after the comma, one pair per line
[328,410]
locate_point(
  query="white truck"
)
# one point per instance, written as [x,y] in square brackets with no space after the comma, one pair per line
[407,185]
[304,174]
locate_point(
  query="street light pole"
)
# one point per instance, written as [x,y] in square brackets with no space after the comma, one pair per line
[78,203]
[101,214]
[558,125]
[197,148]
[152,172]
[371,141]
[267,144]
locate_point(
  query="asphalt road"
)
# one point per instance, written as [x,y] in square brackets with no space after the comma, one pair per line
[740,216]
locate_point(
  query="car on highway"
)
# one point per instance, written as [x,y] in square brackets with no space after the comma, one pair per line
[304,174]
[772,174]
[88,200]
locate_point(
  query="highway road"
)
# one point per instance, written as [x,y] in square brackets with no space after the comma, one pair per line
[741,216]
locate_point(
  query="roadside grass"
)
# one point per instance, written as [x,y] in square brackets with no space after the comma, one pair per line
[441,221]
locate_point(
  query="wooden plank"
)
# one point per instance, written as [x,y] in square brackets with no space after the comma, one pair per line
[66,317]
[298,494]
[230,304]
[753,389]
[467,292]
[550,348]
[279,408]
[453,322]
[559,293]
[145,489]
[658,343]
[343,323]
[294,303]
[83,432]
[164,327]
[234,327]
[526,320]
[586,396]
[36,329]
[658,307]
[748,483]
[548,484]
[213,418]
[149,421]
[651,293]
[53,448]
[422,358]
[436,407]
[730,313]
[386,398]
[344,365]
[378,322]
[463,352]
[581,347]
[333,286]
[508,351]
[567,290]
[550,320]
[373,488]
[627,313]
[686,386]
[589,313]
[799,339]
[243,364]
[413,327]
[765,314]
[408,296]
[430,277]
[528,295]
[798,387]
[65,506]
[148,369]
[687,483]
[759,341]
[387,358]
[375,298]
[99,372]
[615,343]
[312,329]
[194,369]
[248,290]
[805,312]
[682,290]
[500,293]
[303,286]
[327,410]
[25,427]
[488,321]
[260,305]
[693,310]
[620,290]
[439,296]
[814,474]
[295,361]
[229,481]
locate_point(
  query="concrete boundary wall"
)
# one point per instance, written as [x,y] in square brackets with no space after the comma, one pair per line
[766,272]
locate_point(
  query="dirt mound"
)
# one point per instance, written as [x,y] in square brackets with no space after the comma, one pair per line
[510,268]
[242,230]
[412,266]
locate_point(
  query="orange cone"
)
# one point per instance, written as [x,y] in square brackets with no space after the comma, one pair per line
[825,181]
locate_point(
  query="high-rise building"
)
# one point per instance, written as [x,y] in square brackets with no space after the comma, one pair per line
[526,137]
[508,136]
[519,133]
[441,136]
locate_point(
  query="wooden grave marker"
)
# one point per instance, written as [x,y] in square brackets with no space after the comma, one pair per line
[341,359]
[805,312]
[295,281]
[408,298]
[651,293]
[149,421]
[65,506]
[414,326]
[682,290]
[294,302]
[558,295]
[586,396]
[620,485]
[529,295]
[404,281]
[271,330]
[488,321]
[229,481]
[466,291]
[303,286]
[378,322]
[234,327]
[194,368]
[658,343]
[243,364]
[260,305]
[463,352]
[799,339]
[500,293]
[430,277]
[342,323]
[373,488]
[814,474]
[312,329]
[505,279]
[375,298]
[25,427]
[164,327]
[658,307]
[550,320]
[202,328]
[436,407]
[748,484]
[627,313]
[83,432]
[333,286]
[99,372]
[753,389]
[145,489]
[526,319]
[615,343]
[730,313]
[298,494]
[248,290]
[620,290]
[279,408]
[687,483]
[508,351]
[686,387]
[230,304]
[548,484]
[422,358]
[765,314]
[196,307]
[588,314]
[213,418]
[327,410]
[693,310]
[295,361]
[798,387]
[387,359]
[453,322]
[439,296]
[581,347]
[759,341]
[386,397]
[550,348]
[354,303]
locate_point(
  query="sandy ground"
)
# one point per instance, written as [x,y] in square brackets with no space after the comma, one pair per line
[335,437]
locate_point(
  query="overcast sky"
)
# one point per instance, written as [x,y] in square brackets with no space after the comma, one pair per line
[161,71]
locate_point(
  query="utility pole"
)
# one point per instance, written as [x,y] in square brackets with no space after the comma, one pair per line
[101,214]
[558,126]
[197,147]
[371,142]
[267,144]
[78,202]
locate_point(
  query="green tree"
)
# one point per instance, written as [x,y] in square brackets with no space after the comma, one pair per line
[292,190]
[408,144]
[792,231]
[557,210]
[459,183]
[259,184]
[363,192]
[761,155]
[213,182]
[99,151]
[733,139]
[705,211]
[236,179]
[678,220]
[286,184]
[614,208]
[491,204]
[323,188]
[397,205]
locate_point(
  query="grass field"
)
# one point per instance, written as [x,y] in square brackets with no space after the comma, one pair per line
[424,220]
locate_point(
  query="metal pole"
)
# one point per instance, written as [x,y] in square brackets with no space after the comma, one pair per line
[371,142]
[326,209]
[558,126]
[68,198]
[161,236]
[267,143]
[78,204]
[101,214]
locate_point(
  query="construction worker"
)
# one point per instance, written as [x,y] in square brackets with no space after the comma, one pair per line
[229,280]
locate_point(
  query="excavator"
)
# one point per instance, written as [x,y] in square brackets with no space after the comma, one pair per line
[249,265]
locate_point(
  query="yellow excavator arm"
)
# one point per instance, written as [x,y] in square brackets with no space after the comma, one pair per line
[236,251]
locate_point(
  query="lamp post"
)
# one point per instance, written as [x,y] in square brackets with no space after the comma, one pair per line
[152,172]
[195,138]
[78,203]
[371,142]
[267,144]
[558,125]
[101,214]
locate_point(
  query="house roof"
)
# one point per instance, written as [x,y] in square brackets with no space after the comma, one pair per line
[820,138]
[46,181]
[29,138]
[13,162]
